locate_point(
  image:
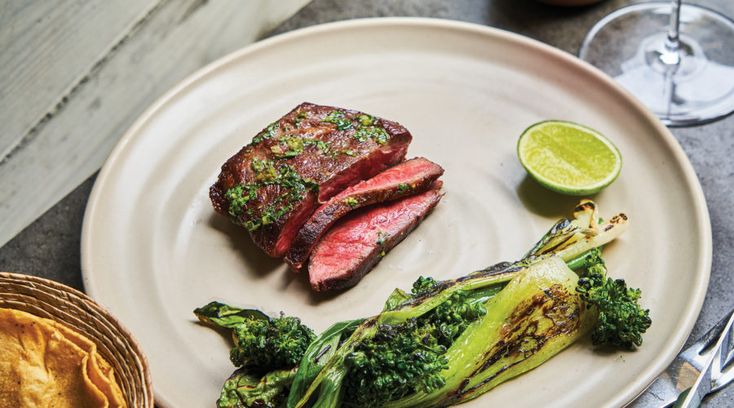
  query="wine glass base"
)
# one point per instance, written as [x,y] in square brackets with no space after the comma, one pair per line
[630,45]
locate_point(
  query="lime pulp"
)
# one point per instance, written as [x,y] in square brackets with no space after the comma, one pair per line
[568,158]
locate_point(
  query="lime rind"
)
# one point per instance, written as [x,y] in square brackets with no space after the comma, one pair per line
[571,189]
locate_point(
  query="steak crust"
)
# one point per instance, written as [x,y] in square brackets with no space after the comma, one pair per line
[405,179]
[359,241]
[273,185]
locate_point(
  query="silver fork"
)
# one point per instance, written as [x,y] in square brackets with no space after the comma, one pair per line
[718,371]
[703,368]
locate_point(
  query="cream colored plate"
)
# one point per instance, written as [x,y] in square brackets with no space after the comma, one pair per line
[153,249]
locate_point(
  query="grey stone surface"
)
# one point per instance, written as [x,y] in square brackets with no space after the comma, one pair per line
[50,246]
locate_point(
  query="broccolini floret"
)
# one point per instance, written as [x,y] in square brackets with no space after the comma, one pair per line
[397,361]
[423,285]
[270,344]
[260,342]
[405,358]
[268,350]
[453,316]
[621,321]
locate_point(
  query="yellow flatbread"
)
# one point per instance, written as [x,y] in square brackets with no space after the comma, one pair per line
[99,370]
[46,364]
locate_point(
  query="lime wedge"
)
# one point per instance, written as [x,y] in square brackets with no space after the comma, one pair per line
[568,158]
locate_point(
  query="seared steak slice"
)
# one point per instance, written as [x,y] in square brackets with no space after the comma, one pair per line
[359,241]
[407,178]
[274,183]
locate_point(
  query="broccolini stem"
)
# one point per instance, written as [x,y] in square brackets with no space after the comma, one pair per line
[586,259]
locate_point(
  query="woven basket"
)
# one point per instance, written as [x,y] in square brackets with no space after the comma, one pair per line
[49,299]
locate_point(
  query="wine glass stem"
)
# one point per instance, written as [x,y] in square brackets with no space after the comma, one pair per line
[670,55]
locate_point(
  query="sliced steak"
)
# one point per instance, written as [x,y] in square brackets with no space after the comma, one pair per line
[359,241]
[276,182]
[405,179]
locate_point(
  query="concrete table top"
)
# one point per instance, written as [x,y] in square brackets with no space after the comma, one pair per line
[49,247]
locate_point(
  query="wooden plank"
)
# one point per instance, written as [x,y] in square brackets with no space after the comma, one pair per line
[48,47]
[175,40]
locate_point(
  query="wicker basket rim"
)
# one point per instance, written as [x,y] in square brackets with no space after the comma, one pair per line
[13,279]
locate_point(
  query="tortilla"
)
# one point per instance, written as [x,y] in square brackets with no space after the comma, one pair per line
[99,370]
[44,363]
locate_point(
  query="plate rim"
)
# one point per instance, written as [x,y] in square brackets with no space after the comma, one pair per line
[701,213]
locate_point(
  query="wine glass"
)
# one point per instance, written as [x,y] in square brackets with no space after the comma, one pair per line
[677,59]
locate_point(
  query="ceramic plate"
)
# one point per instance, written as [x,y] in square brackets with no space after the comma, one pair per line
[153,249]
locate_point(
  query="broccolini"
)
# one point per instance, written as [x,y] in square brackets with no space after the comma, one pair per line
[445,342]
[621,319]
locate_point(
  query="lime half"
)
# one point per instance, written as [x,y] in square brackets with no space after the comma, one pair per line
[568,158]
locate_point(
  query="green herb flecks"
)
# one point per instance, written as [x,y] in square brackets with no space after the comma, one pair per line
[267,133]
[351,201]
[238,197]
[264,169]
[322,146]
[293,188]
[292,146]
[258,165]
[366,126]
[403,187]
[366,120]
[378,134]
[381,237]
[299,118]
[339,119]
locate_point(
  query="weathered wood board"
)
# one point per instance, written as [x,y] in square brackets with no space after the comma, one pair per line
[84,71]
[47,49]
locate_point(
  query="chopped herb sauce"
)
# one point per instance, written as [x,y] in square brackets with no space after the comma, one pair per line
[339,119]
[293,189]
[366,120]
[292,146]
[378,134]
[351,201]
[381,237]
[299,118]
[267,133]
[322,146]
[366,126]
[289,146]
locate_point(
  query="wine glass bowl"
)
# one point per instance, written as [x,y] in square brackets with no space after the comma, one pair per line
[678,60]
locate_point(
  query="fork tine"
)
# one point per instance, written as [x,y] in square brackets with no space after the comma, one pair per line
[713,335]
[700,351]
[722,369]
[726,376]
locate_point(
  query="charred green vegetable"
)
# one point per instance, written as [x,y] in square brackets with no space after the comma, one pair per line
[268,350]
[244,389]
[447,342]
[261,342]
